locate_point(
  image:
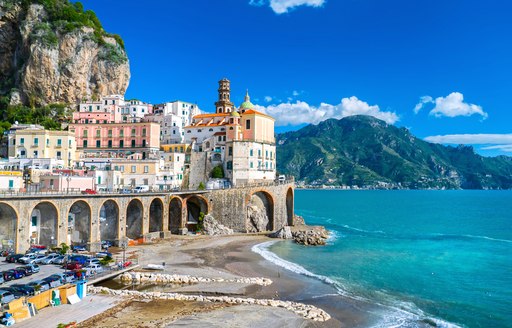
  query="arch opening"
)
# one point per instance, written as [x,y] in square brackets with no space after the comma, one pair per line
[289,207]
[134,215]
[8,226]
[195,206]
[79,223]
[175,210]
[156,215]
[43,227]
[260,212]
[109,221]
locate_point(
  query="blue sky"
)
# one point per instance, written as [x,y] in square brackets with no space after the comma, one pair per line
[307,60]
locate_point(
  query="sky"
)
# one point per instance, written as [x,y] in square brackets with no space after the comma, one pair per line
[441,68]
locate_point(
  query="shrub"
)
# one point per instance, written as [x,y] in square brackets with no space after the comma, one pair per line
[218,172]
[201,186]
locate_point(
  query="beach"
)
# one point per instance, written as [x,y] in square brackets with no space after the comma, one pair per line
[225,257]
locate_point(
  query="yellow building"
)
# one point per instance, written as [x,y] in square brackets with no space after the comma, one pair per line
[34,142]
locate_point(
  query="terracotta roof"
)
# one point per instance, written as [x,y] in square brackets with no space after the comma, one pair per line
[255,112]
[219,133]
[211,115]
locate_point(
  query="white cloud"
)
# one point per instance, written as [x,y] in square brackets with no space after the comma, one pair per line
[295,93]
[501,142]
[283,6]
[473,139]
[452,105]
[268,98]
[301,112]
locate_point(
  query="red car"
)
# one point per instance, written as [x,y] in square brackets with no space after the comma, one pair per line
[89,192]
[73,266]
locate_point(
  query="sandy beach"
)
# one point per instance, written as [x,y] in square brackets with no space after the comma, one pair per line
[225,257]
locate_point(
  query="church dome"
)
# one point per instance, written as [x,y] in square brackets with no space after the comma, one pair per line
[247,104]
[235,114]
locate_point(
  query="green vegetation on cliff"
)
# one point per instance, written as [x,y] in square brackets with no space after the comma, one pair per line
[364,151]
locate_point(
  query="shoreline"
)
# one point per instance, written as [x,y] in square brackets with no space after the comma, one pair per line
[230,257]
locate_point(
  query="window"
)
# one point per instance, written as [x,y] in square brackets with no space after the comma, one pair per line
[229,165]
[36,153]
[144,132]
[121,143]
[248,125]
[133,132]
[210,130]
[251,153]
[121,133]
[85,143]
[36,141]
[110,144]
[59,155]
[85,132]
[252,165]
[98,144]
[22,141]
[259,153]
[22,153]
[133,143]
[134,169]
[199,130]
[121,168]
[146,169]
[59,142]
[230,152]
[69,142]
[90,108]
[110,133]
[143,143]
[47,142]
[146,181]
[266,153]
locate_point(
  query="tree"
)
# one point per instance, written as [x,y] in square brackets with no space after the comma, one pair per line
[201,186]
[218,172]
[64,248]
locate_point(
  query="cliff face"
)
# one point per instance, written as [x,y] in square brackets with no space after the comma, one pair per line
[41,64]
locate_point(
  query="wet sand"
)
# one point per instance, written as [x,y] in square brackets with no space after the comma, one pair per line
[228,257]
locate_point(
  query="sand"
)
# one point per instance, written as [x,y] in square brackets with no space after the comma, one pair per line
[225,257]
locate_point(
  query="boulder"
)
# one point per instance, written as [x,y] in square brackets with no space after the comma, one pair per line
[313,236]
[298,220]
[213,228]
[283,233]
[258,219]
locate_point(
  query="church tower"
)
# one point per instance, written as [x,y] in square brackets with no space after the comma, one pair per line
[224,104]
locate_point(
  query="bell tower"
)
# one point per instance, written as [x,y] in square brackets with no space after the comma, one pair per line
[224,104]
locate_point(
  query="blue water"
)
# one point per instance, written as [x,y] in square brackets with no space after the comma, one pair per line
[442,255]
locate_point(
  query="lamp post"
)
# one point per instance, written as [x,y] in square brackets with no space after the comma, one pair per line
[26,178]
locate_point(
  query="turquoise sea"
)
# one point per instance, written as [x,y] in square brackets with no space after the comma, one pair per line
[436,256]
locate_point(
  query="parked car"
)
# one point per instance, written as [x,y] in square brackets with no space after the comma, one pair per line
[94,268]
[37,259]
[17,293]
[27,258]
[37,249]
[65,277]
[105,244]
[81,259]
[39,284]
[24,270]
[6,297]
[2,278]
[34,268]
[125,191]
[140,189]
[61,259]
[16,274]
[103,254]
[25,288]
[89,192]
[93,261]
[49,258]
[12,258]
[78,248]
[53,281]
[73,266]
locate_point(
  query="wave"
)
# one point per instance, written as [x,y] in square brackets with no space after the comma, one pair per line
[398,313]
[380,232]
[441,236]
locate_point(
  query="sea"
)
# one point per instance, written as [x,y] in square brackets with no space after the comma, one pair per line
[437,257]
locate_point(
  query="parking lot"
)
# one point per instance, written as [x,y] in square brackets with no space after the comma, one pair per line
[45,271]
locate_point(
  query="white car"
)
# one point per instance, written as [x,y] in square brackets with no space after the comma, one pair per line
[27,258]
[94,268]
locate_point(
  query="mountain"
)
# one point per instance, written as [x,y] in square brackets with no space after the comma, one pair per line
[52,51]
[366,152]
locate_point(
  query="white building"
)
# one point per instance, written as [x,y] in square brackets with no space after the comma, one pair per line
[173,117]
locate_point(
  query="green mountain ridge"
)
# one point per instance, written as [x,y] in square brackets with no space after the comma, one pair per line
[366,152]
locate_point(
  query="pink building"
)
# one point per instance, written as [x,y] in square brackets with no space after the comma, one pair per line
[117,139]
[65,183]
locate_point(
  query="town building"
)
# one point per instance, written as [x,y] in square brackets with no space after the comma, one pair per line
[241,140]
[173,117]
[11,181]
[117,140]
[34,142]
[111,109]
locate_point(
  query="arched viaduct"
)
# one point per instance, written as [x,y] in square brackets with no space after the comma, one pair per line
[89,219]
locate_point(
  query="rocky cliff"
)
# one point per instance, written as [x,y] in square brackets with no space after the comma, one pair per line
[52,51]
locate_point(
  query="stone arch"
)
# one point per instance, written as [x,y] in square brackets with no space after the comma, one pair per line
[260,212]
[79,222]
[195,205]
[8,227]
[175,214]
[44,219]
[289,206]
[134,219]
[109,220]
[156,215]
